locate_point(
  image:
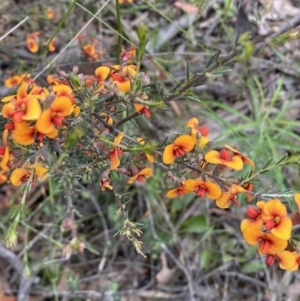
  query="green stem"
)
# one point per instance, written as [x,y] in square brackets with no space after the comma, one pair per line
[119,46]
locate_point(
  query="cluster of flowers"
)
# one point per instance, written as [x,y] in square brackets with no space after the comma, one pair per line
[269,226]
[225,159]
[33,42]
[37,115]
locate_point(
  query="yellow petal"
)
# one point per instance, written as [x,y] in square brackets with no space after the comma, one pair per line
[44,124]
[102,72]
[33,109]
[168,155]
[18,175]
[185,142]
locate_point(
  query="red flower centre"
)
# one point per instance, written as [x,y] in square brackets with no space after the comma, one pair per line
[180,192]
[225,155]
[58,120]
[117,77]
[2,150]
[265,245]
[18,116]
[270,225]
[119,151]
[178,151]
[252,213]
[203,130]
[10,126]
[201,191]
[140,178]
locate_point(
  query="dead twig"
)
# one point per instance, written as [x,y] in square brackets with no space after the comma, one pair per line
[25,282]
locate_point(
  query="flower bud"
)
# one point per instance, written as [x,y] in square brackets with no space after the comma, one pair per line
[270,259]
[252,213]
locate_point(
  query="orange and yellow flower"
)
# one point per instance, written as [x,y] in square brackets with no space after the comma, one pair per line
[32,42]
[141,175]
[223,201]
[20,175]
[198,130]
[119,78]
[23,133]
[244,158]
[268,243]
[51,45]
[142,109]
[15,80]
[224,157]
[49,13]
[122,78]
[274,215]
[287,260]
[115,152]
[179,191]
[202,188]
[180,147]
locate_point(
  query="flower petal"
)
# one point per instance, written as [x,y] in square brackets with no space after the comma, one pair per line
[252,231]
[114,159]
[146,172]
[119,138]
[235,163]
[213,157]
[185,142]
[172,193]
[192,123]
[273,208]
[283,229]
[224,200]
[244,158]
[41,172]
[33,109]
[23,134]
[62,105]
[287,261]
[102,72]
[213,190]
[44,124]
[18,175]
[168,155]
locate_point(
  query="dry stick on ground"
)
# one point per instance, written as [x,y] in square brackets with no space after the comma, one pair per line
[104,224]
[168,252]
[15,262]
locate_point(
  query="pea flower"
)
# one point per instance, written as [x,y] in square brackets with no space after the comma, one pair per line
[179,191]
[115,152]
[196,130]
[224,157]
[202,188]
[141,175]
[181,145]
